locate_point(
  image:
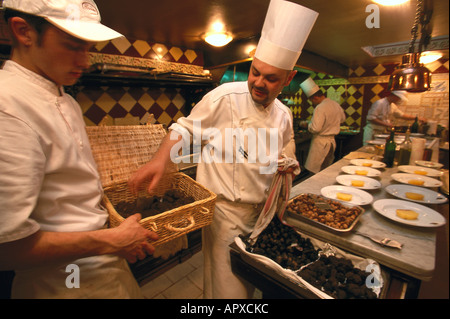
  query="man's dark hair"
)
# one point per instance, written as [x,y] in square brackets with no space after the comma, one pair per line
[38,23]
[317,94]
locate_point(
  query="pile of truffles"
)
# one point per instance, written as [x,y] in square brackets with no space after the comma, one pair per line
[151,206]
[284,245]
[338,278]
[339,217]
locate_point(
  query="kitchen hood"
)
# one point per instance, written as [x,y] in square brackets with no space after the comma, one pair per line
[109,73]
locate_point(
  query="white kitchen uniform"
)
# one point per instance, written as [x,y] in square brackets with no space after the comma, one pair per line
[383,111]
[241,184]
[325,124]
[49,181]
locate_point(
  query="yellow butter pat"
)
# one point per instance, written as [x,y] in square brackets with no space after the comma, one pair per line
[414,196]
[417,182]
[367,164]
[407,214]
[344,196]
[357,183]
[360,172]
[420,172]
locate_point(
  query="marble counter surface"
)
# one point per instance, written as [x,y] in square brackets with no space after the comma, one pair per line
[416,258]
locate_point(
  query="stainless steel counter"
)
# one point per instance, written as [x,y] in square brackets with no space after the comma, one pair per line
[415,259]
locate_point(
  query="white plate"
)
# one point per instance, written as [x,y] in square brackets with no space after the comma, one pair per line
[427,216]
[371,172]
[359,197]
[429,164]
[385,136]
[399,139]
[417,135]
[405,178]
[412,169]
[369,183]
[377,142]
[430,197]
[361,162]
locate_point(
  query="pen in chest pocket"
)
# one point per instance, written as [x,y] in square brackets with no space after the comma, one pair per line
[243,152]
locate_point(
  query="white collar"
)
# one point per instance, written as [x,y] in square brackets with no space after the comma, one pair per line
[37,79]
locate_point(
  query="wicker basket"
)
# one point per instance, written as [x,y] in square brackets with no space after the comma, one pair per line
[121,150]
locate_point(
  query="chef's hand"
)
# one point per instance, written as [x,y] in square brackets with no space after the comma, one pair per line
[131,240]
[151,172]
[290,170]
[303,124]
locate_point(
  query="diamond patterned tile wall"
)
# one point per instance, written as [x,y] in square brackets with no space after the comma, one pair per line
[143,49]
[166,104]
[108,103]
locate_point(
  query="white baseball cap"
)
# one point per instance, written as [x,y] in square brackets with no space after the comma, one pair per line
[401,95]
[285,30]
[79,18]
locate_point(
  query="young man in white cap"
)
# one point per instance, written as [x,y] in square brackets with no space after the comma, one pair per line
[381,112]
[241,184]
[52,227]
[324,125]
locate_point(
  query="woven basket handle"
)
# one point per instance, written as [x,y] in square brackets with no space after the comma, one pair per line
[153,226]
[181,229]
[204,211]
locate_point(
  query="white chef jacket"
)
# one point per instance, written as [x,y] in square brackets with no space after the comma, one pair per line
[325,124]
[241,188]
[228,107]
[383,111]
[48,178]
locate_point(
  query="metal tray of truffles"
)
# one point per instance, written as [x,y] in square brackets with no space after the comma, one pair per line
[342,217]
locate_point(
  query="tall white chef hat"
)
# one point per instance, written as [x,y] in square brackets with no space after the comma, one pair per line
[285,30]
[309,87]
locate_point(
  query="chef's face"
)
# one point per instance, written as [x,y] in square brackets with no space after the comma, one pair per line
[60,57]
[265,82]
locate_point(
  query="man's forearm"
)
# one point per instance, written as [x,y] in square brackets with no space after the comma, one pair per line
[43,247]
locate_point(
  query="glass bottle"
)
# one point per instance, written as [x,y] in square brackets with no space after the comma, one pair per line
[405,150]
[415,126]
[389,150]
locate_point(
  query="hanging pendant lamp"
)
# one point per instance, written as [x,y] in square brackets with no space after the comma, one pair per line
[411,75]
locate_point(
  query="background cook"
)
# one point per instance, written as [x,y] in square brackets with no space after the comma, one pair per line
[325,124]
[381,112]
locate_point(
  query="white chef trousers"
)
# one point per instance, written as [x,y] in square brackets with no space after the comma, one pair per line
[100,277]
[230,219]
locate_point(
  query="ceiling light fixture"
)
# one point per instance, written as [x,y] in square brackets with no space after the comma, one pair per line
[390,2]
[412,76]
[218,39]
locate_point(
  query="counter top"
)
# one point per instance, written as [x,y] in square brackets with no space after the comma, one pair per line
[416,258]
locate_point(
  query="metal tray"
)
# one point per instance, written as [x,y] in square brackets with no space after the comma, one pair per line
[317,223]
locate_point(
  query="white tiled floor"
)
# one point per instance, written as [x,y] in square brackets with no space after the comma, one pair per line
[184,281]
